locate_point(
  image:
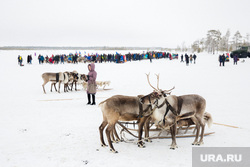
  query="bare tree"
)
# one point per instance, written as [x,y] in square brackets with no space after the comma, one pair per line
[213,39]
[237,39]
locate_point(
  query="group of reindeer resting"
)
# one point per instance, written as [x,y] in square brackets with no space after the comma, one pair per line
[67,78]
[164,110]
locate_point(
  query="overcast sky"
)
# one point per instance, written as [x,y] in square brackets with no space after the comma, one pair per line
[163,23]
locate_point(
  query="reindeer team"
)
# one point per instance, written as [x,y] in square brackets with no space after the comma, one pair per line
[164,110]
[69,80]
[159,107]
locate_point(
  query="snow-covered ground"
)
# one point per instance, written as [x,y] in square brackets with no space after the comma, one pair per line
[53,129]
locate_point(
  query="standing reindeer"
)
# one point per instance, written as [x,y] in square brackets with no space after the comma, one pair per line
[54,78]
[173,108]
[122,108]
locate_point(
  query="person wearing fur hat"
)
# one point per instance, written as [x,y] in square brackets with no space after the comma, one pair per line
[91,79]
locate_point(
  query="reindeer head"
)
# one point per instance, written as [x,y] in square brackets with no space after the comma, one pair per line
[83,77]
[156,95]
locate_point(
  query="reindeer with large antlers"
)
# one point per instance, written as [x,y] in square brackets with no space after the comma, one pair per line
[170,109]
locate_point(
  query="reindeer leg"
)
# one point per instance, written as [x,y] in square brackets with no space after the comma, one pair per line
[112,136]
[140,131]
[55,86]
[59,85]
[197,134]
[101,128]
[116,135]
[173,135]
[108,130]
[75,87]
[202,124]
[45,82]
[146,128]
[68,87]
[194,130]
[51,87]
[202,135]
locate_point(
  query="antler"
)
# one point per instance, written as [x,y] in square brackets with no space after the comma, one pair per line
[158,76]
[166,91]
[149,82]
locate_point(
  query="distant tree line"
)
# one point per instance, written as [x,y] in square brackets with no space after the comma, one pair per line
[215,41]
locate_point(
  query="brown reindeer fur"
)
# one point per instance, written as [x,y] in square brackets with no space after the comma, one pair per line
[120,108]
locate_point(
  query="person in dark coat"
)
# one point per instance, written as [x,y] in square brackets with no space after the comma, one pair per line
[223,60]
[91,79]
[194,57]
[220,59]
[235,59]
[19,59]
[187,59]
[182,58]
[150,57]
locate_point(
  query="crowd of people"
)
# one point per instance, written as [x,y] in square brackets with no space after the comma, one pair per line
[188,59]
[119,58]
[225,58]
[99,58]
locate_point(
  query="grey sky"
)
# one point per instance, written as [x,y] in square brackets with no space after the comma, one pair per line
[164,23]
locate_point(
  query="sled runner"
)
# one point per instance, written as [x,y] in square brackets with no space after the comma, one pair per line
[131,128]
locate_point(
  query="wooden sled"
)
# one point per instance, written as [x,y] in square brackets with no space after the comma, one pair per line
[155,133]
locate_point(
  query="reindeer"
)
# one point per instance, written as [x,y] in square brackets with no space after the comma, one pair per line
[122,108]
[77,78]
[54,78]
[180,107]
[70,81]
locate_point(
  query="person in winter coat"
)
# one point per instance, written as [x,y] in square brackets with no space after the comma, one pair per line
[235,59]
[20,60]
[187,59]
[191,58]
[62,59]
[194,57]
[222,59]
[91,79]
[182,58]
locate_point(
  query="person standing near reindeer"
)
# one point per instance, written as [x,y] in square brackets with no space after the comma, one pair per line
[91,79]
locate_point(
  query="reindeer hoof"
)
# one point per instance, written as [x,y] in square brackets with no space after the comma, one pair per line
[200,143]
[148,140]
[117,140]
[141,146]
[103,145]
[195,143]
[112,150]
[173,147]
